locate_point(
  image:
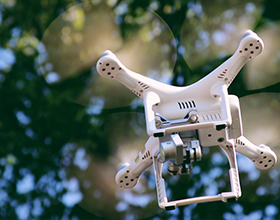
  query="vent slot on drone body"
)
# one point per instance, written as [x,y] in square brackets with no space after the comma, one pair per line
[143,85]
[211,117]
[137,93]
[239,142]
[186,105]
[222,74]
[146,155]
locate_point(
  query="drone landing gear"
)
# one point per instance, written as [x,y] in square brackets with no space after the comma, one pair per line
[235,192]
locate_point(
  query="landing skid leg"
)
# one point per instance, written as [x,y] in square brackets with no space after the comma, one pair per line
[235,192]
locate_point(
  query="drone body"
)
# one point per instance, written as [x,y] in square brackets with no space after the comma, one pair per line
[181,120]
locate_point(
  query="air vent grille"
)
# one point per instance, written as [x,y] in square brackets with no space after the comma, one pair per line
[143,85]
[186,104]
[211,117]
[239,142]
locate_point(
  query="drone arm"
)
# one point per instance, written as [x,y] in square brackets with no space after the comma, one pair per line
[150,99]
[128,175]
[219,89]
[262,156]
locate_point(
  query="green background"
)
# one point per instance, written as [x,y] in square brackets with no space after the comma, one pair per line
[65,131]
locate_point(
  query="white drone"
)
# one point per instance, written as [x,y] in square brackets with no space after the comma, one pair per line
[181,120]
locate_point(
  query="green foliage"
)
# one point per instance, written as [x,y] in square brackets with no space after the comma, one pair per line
[43,129]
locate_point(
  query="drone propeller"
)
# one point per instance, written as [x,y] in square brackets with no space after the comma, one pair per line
[266,111]
[76,39]
[73,42]
[218,33]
